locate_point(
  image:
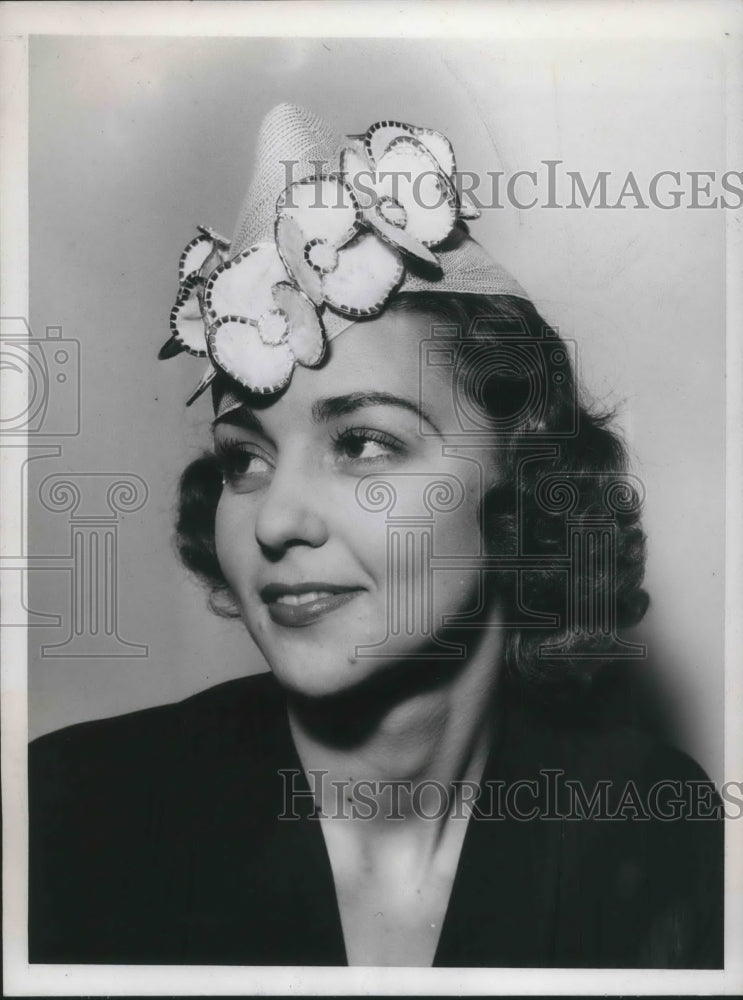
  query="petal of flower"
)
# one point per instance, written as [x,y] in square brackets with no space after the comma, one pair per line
[439,146]
[236,347]
[401,239]
[321,256]
[273,326]
[242,286]
[368,272]
[324,207]
[193,256]
[291,242]
[186,320]
[364,181]
[414,179]
[380,135]
[305,337]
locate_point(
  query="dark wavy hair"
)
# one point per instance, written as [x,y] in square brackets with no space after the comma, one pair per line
[563,516]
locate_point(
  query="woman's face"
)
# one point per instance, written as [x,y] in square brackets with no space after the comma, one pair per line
[330,507]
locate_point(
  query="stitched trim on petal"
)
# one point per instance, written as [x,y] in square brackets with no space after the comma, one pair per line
[242,286]
[273,327]
[291,243]
[193,256]
[325,208]
[186,320]
[236,347]
[379,135]
[429,197]
[439,147]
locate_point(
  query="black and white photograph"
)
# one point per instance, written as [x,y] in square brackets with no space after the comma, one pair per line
[371,469]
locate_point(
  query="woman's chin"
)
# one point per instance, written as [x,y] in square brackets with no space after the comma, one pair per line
[325,659]
[328,670]
[317,678]
[325,662]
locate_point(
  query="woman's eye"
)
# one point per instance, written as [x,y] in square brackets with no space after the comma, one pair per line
[243,469]
[363,446]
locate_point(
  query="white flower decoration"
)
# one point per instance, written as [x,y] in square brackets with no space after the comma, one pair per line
[402,177]
[199,259]
[257,315]
[319,234]
[260,325]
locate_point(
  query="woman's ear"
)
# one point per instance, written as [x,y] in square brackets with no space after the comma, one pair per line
[223,603]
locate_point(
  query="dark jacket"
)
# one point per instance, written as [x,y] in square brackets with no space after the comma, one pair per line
[155,838]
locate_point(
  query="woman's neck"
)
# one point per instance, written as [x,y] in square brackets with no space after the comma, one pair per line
[393,820]
[423,722]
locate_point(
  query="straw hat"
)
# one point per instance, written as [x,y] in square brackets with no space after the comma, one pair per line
[330,229]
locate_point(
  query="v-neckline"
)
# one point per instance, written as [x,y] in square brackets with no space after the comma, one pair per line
[467,884]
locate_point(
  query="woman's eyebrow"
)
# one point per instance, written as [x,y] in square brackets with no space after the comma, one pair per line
[241,417]
[339,406]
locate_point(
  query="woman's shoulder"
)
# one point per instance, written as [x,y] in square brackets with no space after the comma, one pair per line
[630,828]
[623,751]
[250,695]
[590,749]
[119,809]
[600,770]
[151,741]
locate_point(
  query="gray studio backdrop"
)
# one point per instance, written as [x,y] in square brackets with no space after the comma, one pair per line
[133,141]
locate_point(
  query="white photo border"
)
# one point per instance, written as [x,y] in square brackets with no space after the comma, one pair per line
[18,21]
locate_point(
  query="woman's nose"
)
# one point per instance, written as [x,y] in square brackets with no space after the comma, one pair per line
[290,514]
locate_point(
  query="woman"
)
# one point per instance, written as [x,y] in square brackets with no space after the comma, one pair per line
[434,543]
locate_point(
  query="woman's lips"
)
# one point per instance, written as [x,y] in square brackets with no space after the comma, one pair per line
[298,606]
